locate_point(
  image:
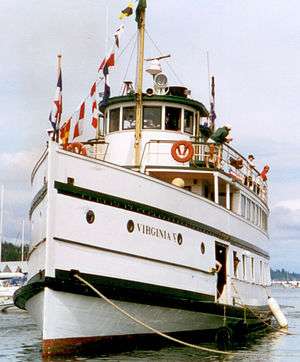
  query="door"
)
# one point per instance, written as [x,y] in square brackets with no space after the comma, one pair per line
[221,255]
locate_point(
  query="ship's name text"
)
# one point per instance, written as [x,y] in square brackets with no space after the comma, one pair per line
[154,231]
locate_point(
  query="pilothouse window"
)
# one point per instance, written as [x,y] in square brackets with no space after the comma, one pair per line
[152,117]
[188,121]
[128,121]
[114,120]
[173,117]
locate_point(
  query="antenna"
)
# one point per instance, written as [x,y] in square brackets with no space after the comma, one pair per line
[208,75]
[23,233]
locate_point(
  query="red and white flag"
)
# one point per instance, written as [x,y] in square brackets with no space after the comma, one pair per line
[93,92]
[107,62]
[118,34]
[55,114]
[78,129]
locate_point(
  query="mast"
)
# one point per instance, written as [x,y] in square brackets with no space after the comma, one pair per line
[23,234]
[140,18]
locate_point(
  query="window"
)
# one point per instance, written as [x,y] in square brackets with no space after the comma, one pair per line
[252,268]
[243,205]
[264,221]
[114,120]
[248,209]
[236,261]
[128,121]
[152,117]
[259,217]
[261,272]
[173,117]
[252,211]
[256,215]
[188,121]
[244,266]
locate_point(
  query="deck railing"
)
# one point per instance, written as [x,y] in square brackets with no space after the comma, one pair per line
[211,156]
[206,155]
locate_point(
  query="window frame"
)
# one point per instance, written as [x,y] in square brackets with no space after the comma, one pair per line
[109,120]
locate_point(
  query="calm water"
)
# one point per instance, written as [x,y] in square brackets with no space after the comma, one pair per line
[19,341]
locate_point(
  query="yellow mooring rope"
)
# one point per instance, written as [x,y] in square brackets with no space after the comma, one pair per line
[146,325]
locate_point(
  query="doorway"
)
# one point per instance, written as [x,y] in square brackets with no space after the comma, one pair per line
[221,254]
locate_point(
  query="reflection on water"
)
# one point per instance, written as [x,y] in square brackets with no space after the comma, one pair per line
[20,341]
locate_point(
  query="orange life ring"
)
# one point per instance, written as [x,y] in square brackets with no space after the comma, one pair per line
[77,147]
[182,151]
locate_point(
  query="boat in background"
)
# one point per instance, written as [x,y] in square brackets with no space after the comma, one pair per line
[170,225]
[9,283]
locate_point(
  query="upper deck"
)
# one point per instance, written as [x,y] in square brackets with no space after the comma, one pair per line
[216,172]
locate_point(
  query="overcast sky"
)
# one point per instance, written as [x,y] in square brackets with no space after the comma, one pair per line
[254,54]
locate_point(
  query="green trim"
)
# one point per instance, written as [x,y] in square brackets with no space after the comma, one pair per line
[163,99]
[125,204]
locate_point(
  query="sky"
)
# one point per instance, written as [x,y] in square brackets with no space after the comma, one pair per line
[254,54]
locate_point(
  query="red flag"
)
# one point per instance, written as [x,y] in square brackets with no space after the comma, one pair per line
[82,111]
[110,62]
[95,114]
[107,62]
[101,66]
[65,131]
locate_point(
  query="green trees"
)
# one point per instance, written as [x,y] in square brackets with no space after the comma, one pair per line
[13,252]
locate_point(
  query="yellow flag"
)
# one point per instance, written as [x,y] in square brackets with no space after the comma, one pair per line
[127,11]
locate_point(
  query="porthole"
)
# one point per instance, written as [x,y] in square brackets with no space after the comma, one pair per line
[130,226]
[202,248]
[90,216]
[179,239]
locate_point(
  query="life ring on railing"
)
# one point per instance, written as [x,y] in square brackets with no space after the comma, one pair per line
[182,151]
[76,147]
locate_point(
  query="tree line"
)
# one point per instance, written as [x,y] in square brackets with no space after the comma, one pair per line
[13,252]
[284,275]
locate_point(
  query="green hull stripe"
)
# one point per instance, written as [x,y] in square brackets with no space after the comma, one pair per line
[125,204]
[129,291]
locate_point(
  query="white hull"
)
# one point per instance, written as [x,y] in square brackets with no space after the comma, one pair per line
[81,320]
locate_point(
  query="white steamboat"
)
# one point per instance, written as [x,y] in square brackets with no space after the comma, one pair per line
[146,229]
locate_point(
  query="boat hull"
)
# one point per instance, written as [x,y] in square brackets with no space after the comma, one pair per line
[86,321]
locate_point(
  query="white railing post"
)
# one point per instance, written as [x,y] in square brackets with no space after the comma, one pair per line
[228,196]
[216,187]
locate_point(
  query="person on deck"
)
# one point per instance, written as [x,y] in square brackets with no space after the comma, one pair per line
[219,137]
[249,181]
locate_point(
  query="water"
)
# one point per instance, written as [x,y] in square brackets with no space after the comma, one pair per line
[20,341]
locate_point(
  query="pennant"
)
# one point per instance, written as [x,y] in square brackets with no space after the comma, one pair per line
[106,95]
[94,106]
[95,114]
[110,62]
[118,34]
[107,62]
[65,131]
[127,11]
[101,66]
[213,115]
[55,113]
[93,90]
[78,129]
